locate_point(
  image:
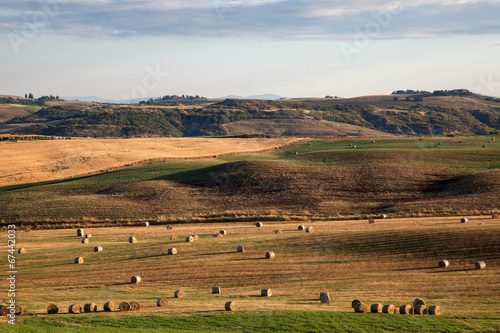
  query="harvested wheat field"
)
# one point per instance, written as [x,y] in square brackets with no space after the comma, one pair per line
[34,161]
[391,262]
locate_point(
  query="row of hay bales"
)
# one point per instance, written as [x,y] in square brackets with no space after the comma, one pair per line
[446,263]
[418,308]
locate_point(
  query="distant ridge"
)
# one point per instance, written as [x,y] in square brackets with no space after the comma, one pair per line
[269,97]
[104,100]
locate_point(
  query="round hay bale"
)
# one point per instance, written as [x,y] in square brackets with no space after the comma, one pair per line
[52,309]
[218,235]
[146,224]
[172,251]
[354,302]
[231,306]
[383,216]
[310,229]
[124,306]
[480,265]
[371,221]
[75,308]
[163,301]
[78,260]
[189,239]
[223,232]
[420,310]
[418,301]
[354,147]
[495,216]
[110,306]
[18,310]
[270,255]
[444,263]
[170,227]
[135,306]
[435,310]
[80,232]
[4,310]
[179,294]
[464,220]
[376,308]
[296,153]
[85,240]
[240,248]
[90,307]
[390,308]
[373,141]
[324,298]
[195,237]
[361,308]
[132,239]
[88,236]
[258,224]
[405,309]
[302,227]
[216,290]
[173,237]
[22,250]
[266,292]
[278,231]
[98,248]
[136,279]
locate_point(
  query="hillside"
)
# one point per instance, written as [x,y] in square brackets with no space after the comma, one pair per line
[401,114]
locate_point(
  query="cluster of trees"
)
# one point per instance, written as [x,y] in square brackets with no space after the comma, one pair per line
[30,138]
[174,99]
[28,100]
[410,92]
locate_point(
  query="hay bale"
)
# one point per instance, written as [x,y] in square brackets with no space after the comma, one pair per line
[27,230]
[464,220]
[173,237]
[231,306]
[135,306]
[52,309]
[98,248]
[278,231]
[383,216]
[146,224]
[80,232]
[163,301]
[371,221]
[495,216]
[90,307]
[435,310]
[218,235]
[354,302]
[324,298]
[124,306]
[301,227]
[216,290]
[480,265]
[179,294]
[444,263]
[310,229]
[22,250]
[172,251]
[136,279]
[420,310]
[389,308]
[189,239]
[75,308]
[18,310]
[405,309]
[266,292]
[195,237]
[170,227]
[85,240]
[110,306]
[361,308]
[240,248]
[78,260]
[270,255]
[132,239]
[258,224]
[376,308]
[223,232]
[4,310]
[418,301]
[88,236]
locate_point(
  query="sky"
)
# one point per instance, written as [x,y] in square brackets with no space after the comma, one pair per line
[123,49]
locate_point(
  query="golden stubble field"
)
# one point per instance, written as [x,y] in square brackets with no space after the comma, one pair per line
[34,161]
[391,261]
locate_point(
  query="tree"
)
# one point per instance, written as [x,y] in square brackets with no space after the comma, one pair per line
[25,95]
[30,96]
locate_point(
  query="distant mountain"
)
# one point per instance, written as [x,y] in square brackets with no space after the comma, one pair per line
[104,100]
[270,97]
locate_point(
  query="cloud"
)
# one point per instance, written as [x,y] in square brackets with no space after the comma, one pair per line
[280,19]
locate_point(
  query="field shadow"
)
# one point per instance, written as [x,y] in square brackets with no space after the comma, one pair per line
[213,254]
[456,270]
[246,259]
[415,268]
